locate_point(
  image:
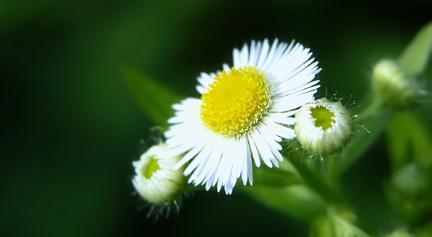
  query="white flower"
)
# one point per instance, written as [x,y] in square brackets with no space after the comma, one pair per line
[155,178]
[323,127]
[244,113]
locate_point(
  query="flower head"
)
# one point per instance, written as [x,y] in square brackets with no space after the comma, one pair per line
[155,178]
[323,127]
[243,114]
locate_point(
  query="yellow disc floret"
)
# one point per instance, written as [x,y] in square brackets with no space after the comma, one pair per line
[324,118]
[236,101]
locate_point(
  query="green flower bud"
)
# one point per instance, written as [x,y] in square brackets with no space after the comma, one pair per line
[391,84]
[156,180]
[323,127]
[411,180]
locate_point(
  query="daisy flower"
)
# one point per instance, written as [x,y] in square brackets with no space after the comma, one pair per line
[243,114]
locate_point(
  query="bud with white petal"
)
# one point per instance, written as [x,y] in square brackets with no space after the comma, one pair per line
[323,127]
[156,180]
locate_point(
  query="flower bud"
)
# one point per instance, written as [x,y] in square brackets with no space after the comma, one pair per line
[391,84]
[323,127]
[411,180]
[156,180]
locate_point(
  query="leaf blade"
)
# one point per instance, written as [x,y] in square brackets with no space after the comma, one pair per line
[415,57]
[155,98]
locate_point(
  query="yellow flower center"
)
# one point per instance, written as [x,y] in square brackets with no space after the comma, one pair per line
[324,118]
[236,101]
[150,168]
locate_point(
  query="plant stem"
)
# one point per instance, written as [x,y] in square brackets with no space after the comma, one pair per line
[370,124]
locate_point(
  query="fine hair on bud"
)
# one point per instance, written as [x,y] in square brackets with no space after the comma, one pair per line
[323,127]
[157,181]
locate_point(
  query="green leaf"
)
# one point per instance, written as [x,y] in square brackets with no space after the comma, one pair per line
[425,231]
[283,190]
[322,227]
[414,59]
[283,176]
[154,97]
[275,177]
[335,224]
[344,228]
[410,150]
[409,140]
[297,201]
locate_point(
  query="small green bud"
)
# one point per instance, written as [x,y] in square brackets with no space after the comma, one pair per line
[323,127]
[391,84]
[411,180]
[156,180]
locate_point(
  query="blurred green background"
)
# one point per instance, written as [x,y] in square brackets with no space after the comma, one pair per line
[71,126]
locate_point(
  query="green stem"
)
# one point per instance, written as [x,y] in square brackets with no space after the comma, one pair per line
[370,125]
[330,195]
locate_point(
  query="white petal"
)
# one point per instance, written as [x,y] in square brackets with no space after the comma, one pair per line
[236,58]
[263,149]
[253,54]
[270,56]
[244,55]
[205,80]
[201,157]
[254,151]
[263,54]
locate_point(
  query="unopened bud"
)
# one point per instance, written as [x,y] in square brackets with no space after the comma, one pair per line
[156,180]
[323,127]
[391,84]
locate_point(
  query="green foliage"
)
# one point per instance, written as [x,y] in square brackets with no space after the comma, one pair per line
[344,228]
[426,231]
[27,9]
[410,149]
[400,233]
[276,177]
[334,224]
[155,98]
[409,140]
[370,124]
[410,145]
[297,200]
[415,57]
[71,128]
[293,197]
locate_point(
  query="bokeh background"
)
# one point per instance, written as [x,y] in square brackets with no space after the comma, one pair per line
[70,126]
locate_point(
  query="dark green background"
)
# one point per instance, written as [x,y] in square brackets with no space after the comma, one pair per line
[70,127]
